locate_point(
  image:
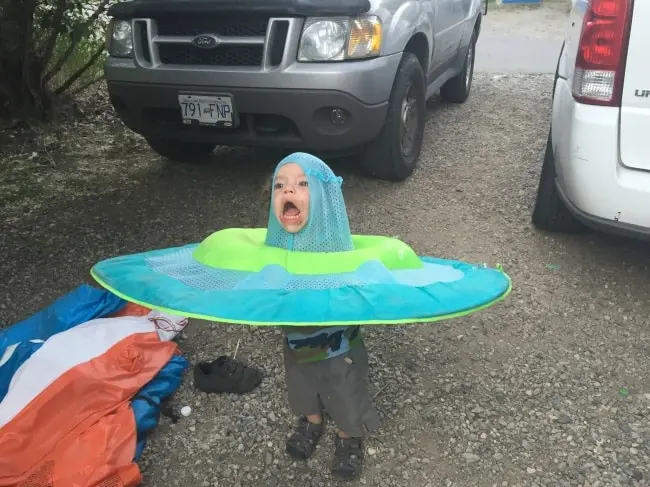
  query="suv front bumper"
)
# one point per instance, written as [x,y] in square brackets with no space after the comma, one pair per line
[292,119]
[289,108]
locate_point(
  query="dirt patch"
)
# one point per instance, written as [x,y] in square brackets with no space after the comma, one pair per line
[71,157]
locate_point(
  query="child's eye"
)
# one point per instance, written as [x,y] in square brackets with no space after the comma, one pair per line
[277,186]
[304,183]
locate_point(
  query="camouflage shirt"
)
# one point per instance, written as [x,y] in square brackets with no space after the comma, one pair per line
[312,344]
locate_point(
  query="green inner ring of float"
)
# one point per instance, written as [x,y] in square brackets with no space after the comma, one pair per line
[243,249]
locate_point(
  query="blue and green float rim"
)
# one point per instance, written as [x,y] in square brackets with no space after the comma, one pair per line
[244,250]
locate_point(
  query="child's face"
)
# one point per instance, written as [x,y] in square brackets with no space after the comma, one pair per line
[291,197]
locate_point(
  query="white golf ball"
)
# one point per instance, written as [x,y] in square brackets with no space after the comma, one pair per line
[186,410]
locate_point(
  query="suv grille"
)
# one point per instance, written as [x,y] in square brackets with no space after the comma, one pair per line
[195,25]
[241,41]
[224,55]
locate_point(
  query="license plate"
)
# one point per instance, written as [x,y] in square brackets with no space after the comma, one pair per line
[207,110]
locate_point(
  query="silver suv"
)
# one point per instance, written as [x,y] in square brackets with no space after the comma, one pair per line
[326,76]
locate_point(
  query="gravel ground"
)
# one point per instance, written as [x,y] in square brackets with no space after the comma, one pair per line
[522,39]
[536,21]
[525,393]
[548,388]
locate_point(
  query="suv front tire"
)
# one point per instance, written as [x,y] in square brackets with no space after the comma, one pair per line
[394,154]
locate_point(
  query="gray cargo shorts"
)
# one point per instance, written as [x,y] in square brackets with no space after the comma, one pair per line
[339,385]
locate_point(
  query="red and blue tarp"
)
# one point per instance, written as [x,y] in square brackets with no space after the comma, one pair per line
[81,386]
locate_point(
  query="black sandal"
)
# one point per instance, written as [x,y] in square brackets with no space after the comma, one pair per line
[226,375]
[348,458]
[302,443]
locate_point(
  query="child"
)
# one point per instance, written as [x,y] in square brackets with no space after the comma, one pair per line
[325,367]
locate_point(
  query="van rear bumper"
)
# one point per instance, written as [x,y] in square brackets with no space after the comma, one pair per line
[591,178]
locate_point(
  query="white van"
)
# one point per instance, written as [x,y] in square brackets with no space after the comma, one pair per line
[596,170]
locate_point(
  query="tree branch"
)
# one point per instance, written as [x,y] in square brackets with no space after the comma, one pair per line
[28,48]
[57,21]
[88,85]
[77,74]
[77,35]
[27,40]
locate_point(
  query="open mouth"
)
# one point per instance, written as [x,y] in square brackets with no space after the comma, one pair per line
[290,212]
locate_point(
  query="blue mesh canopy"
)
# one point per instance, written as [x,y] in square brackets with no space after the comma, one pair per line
[327,228]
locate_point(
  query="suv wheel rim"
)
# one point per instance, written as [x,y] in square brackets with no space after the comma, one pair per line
[409,119]
[470,65]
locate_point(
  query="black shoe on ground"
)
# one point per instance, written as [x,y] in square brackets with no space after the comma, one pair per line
[226,375]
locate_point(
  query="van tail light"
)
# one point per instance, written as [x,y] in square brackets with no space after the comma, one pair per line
[600,62]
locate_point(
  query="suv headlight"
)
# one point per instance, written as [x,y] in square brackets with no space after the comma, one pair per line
[120,38]
[339,39]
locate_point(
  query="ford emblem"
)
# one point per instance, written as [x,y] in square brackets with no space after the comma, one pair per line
[205,41]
